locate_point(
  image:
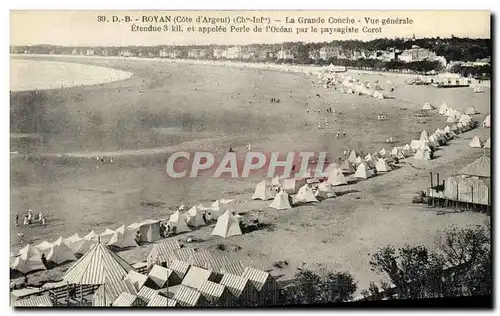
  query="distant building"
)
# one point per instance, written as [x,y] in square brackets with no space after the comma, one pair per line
[285,54]
[218,53]
[233,52]
[441,60]
[386,55]
[175,53]
[126,53]
[89,52]
[416,54]
[357,55]
[314,54]
[327,52]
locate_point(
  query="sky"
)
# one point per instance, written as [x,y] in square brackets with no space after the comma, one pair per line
[81,28]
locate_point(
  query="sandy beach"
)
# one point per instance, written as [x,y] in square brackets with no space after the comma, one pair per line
[166,107]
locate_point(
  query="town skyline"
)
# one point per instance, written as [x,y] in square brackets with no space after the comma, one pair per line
[80,28]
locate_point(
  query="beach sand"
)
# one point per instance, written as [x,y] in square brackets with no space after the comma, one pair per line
[174,106]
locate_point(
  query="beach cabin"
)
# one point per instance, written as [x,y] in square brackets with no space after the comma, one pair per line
[162,253]
[216,294]
[265,284]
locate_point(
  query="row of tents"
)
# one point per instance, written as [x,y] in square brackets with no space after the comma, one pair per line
[309,189]
[62,250]
[176,276]
[350,85]
[464,122]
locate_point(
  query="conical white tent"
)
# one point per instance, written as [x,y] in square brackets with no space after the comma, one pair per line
[91,236]
[358,160]
[471,110]
[177,221]
[292,185]
[424,136]
[382,166]
[331,167]
[277,181]
[33,263]
[347,168]
[423,153]
[352,156]
[123,237]
[107,232]
[281,201]
[416,144]
[475,143]
[227,225]
[443,109]
[264,191]
[44,247]
[487,122]
[60,252]
[447,129]
[362,172]
[407,151]
[325,190]
[382,152]
[397,152]
[28,251]
[427,106]
[305,195]
[487,143]
[433,142]
[106,235]
[216,206]
[84,246]
[464,118]
[72,241]
[336,178]
[194,217]
[450,119]
[370,162]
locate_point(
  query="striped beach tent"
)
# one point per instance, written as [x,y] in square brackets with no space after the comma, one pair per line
[98,266]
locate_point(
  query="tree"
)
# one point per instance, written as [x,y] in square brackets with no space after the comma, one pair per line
[460,266]
[311,288]
[337,287]
[413,271]
[305,288]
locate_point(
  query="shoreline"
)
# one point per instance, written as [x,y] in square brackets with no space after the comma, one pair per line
[100,75]
[306,69]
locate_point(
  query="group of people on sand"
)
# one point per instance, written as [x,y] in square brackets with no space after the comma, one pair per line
[30,219]
[103,160]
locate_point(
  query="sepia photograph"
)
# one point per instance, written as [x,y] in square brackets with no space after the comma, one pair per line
[243,159]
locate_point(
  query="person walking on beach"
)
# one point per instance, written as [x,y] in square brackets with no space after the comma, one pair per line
[30,216]
[25,223]
[40,217]
[16,218]
[44,223]
[138,238]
